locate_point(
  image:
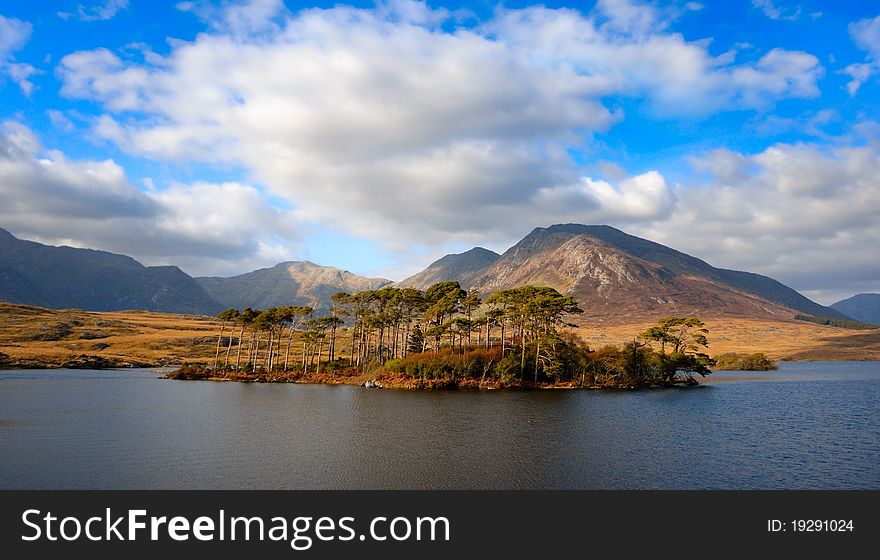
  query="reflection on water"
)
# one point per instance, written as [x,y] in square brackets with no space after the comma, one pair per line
[809,425]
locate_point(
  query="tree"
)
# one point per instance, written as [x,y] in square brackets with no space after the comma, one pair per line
[343,308]
[443,300]
[687,337]
[415,343]
[685,334]
[245,319]
[262,323]
[470,302]
[225,317]
[294,316]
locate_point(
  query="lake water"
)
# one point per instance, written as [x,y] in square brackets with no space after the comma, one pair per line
[809,425]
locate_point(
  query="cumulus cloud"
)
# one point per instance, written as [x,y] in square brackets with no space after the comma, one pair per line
[202,227]
[397,123]
[14,33]
[805,214]
[866,35]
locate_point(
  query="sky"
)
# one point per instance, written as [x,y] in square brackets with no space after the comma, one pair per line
[378,136]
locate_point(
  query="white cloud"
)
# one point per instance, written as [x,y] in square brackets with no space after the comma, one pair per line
[202,227]
[392,126]
[773,11]
[804,214]
[866,35]
[14,34]
[237,17]
[645,197]
[99,11]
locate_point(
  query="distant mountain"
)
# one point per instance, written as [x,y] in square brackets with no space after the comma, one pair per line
[66,277]
[619,277]
[287,283]
[615,277]
[465,267]
[863,307]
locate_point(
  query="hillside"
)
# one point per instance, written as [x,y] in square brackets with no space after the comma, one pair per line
[617,277]
[465,267]
[67,277]
[35,337]
[288,283]
[863,307]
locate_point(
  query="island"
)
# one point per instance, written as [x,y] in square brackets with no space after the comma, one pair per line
[446,337]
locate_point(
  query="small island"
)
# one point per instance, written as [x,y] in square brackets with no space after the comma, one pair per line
[446,337]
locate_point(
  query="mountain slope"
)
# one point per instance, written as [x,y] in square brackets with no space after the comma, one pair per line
[67,277]
[863,307]
[616,276]
[287,283]
[464,267]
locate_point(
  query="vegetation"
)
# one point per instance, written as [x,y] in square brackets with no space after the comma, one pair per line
[842,323]
[146,339]
[446,336]
[744,362]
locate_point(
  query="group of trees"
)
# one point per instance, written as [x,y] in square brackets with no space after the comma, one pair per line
[446,332]
[269,335]
[394,322]
[668,354]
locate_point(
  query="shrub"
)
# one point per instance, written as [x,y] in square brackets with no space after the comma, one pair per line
[744,362]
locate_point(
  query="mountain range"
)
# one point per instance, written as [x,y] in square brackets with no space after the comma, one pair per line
[67,277]
[862,307]
[615,277]
[287,283]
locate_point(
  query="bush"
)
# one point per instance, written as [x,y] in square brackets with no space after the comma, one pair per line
[744,362]
[446,364]
[758,362]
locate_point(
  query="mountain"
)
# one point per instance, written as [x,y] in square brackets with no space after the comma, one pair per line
[619,277]
[465,267]
[615,277]
[287,283]
[863,307]
[66,277]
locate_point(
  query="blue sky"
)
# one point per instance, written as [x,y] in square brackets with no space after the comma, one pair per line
[224,136]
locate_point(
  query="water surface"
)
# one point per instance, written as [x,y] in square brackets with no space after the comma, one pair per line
[809,425]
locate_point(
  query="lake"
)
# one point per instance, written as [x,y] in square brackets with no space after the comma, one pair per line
[808,425]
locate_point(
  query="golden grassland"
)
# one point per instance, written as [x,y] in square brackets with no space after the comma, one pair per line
[780,340]
[37,337]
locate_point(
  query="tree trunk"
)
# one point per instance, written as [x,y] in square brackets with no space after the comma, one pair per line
[305,352]
[537,357]
[256,353]
[228,349]
[502,337]
[217,354]
[351,350]
[320,352]
[238,356]
[287,351]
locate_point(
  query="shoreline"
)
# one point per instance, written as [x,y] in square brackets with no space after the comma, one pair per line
[393,381]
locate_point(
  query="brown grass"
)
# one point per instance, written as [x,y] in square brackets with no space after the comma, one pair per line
[37,337]
[790,340]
